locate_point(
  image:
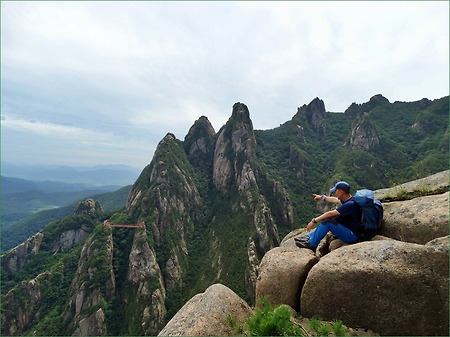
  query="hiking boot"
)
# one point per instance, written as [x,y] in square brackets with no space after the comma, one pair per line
[305,244]
[303,238]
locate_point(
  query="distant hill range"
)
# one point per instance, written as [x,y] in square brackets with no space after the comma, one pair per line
[100,175]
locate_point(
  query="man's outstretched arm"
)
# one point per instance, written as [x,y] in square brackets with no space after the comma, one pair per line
[333,200]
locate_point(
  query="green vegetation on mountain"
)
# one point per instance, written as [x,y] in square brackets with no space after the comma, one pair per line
[213,205]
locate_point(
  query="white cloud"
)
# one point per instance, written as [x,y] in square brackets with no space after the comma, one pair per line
[132,71]
[58,131]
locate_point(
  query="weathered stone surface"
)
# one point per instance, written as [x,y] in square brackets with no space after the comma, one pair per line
[265,227]
[22,307]
[205,314]
[87,292]
[392,287]
[364,134]
[234,153]
[297,162]
[418,220]
[69,239]
[287,211]
[434,184]
[146,292]
[19,256]
[282,272]
[93,325]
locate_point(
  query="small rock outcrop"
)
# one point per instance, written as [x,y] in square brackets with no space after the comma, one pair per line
[206,314]
[431,185]
[88,207]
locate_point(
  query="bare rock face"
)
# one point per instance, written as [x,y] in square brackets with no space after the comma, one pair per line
[297,162]
[205,314]
[418,220]
[88,206]
[146,294]
[364,134]
[282,272]
[22,309]
[234,166]
[89,288]
[251,272]
[265,227]
[19,256]
[69,239]
[392,287]
[287,211]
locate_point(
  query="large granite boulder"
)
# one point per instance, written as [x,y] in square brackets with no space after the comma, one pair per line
[206,314]
[282,273]
[392,287]
[418,220]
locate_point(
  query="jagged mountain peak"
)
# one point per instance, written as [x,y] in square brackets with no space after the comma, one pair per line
[234,151]
[379,98]
[315,114]
[203,124]
[305,112]
[374,101]
[240,110]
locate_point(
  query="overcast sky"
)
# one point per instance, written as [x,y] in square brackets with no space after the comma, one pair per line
[87,83]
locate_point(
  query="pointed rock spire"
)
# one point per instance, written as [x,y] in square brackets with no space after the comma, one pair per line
[315,114]
[199,143]
[234,153]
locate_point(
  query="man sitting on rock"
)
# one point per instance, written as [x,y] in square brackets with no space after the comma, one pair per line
[343,222]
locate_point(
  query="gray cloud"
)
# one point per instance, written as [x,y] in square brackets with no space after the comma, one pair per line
[110,79]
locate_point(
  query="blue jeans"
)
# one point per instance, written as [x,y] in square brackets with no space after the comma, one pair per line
[328,225]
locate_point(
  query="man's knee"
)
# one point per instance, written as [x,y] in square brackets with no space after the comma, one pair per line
[330,221]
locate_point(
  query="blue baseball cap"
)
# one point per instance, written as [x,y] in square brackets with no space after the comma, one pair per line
[341,185]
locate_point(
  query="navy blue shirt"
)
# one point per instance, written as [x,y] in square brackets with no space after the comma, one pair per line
[350,215]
